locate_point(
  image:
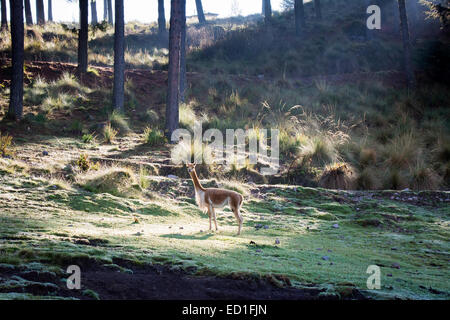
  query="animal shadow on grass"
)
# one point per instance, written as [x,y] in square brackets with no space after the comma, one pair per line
[198,236]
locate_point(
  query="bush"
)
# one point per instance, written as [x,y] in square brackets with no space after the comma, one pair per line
[85,164]
[5,145]
[424,178]
[153,137]
[367,179]
[338,176]
[114,180]
[187,115]
[119,122]
[88,138]
[109,133]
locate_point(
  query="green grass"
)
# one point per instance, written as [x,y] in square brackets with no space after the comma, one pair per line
[301,218]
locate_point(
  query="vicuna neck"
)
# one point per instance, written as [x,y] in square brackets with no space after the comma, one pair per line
[197,183]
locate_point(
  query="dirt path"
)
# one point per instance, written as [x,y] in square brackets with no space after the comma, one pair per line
[155,282]
[159,282]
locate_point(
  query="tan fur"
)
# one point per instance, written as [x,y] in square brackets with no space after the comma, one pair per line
[209,199]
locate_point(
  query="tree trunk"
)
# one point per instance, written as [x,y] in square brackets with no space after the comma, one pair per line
[119,60]
[28,15]
[4,16]
[40,13]
[267,10]
[50,11]
[406,44]
[263,11]
[183,81]
[318,9]
[161,17]
[105,10]
[172,112]
[200,14]
[110,12]
[94,19]
[17,38]
[83,37]
[299,17]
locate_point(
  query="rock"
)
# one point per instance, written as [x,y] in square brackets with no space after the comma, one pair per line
[395,265]
[394,248]
[181,228]
[252,242]
[171,176]
[326,258]
[389,275]
[336,226]
[277,241]
[258,226]
[138,234]
[258,250]
[45,153]
[319,263]
[266,227]
[407,189]
[329,250]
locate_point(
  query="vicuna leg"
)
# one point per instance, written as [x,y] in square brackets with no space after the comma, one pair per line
[214,217]
[239,218]
[209,214]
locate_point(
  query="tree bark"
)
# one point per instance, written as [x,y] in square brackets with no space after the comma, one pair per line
[406,44]
[173,93]
[94,19]
[267,11]
[110,12]
[119,60]
[299,10]
[4,16]
[200,13]
[83,37]
[17,38]
[161,17]
[28,15]
[318,9]
[50,10]
[105,10]
[40,13]
[183,81]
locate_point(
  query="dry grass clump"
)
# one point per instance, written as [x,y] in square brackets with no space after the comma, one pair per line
[337,176]
[153,137]
[109,133]
[403,151]
[395,179]
[11,166]
[119,122]
[424,178]
[368,179]
[5,145]
[117,181]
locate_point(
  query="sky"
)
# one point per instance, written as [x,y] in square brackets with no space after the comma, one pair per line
[146,10]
